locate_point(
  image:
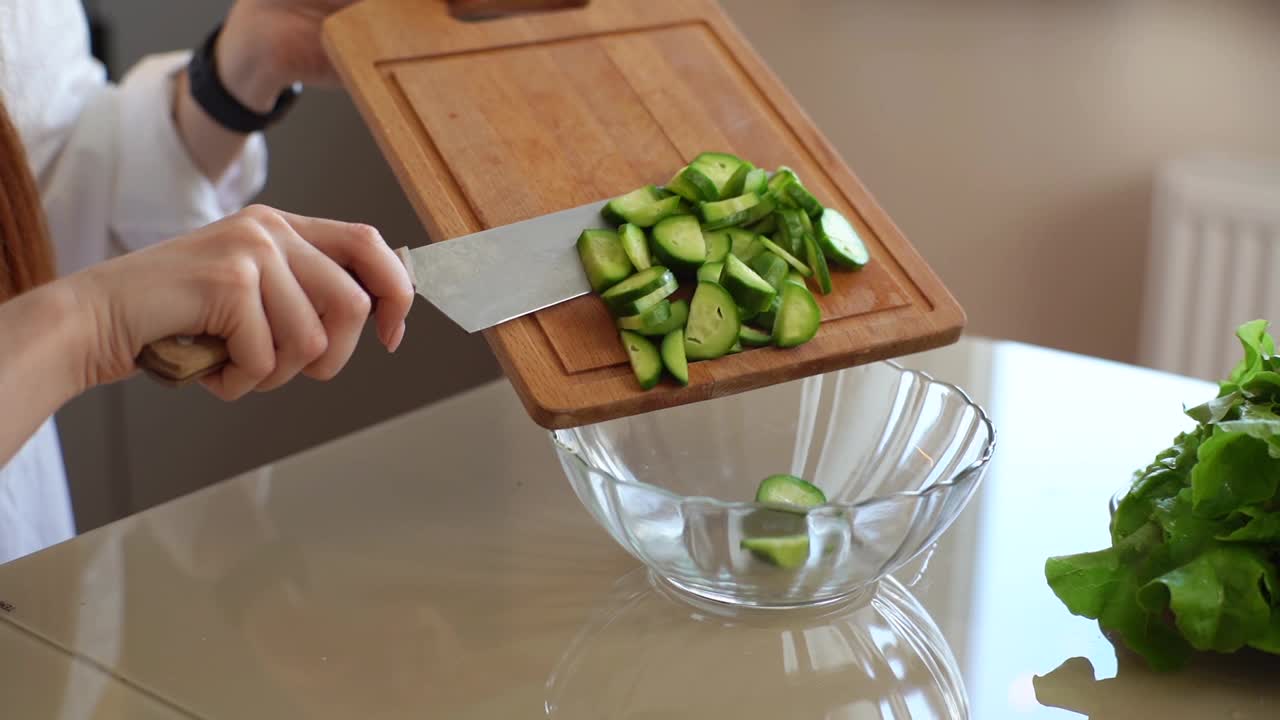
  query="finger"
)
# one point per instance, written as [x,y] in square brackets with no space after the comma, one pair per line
[251,352]
[296,328]
[362,249]
[342,305]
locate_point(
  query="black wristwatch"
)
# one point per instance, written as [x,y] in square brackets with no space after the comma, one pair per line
[211,95]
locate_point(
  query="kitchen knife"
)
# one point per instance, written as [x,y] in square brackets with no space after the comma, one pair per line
[477,280]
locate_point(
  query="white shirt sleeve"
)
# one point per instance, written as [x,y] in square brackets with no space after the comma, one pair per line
[113,171]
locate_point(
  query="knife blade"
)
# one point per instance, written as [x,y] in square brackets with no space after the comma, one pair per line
[495,275]
[477,281]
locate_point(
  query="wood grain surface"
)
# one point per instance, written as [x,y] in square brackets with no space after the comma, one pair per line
[491,122]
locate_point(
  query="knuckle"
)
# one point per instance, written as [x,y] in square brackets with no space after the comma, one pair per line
[358,304]
[366,236]
[313,344]
[238,274]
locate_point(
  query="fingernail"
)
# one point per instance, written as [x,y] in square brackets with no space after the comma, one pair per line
[397,337]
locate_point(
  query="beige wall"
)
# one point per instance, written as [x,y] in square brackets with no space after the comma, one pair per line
[1013,141]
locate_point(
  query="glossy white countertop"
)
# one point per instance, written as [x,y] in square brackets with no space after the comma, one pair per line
[439,565]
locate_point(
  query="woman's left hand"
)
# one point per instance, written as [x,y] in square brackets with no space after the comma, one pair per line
[267,45]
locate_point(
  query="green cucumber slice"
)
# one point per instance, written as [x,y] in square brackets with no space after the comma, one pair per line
[683,188]
[818,263]
[789,490]
[766,225]
[798,317]
[673,356]
[737,182]
[719,168]
[718,245]
[752,337]
[679,316]
[803,199]
[711,272]
[702,184]
[603,258]
[642,206]
[766,319]
[791,231]
[655,316]
[636,245]
[752,292]
[733,211]
[787,551]
[640,285]
[756,181]
[760,210]
[645,361]
[781,178]
[838,239]
[743,244]
[735,348]
[679,243]
[772,268]
[791,259]
[797,278]
[713,323]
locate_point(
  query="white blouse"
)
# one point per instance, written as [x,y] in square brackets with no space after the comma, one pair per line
[114,176]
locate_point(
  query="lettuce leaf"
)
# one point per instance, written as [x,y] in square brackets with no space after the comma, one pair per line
[1195,539]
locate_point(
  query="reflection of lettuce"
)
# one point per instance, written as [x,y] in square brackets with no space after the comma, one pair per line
[1196,539]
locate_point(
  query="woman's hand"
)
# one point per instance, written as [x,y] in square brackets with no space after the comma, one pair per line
[267,45]
[275,285]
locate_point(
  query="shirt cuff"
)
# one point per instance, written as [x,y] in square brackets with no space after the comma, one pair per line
[160,190]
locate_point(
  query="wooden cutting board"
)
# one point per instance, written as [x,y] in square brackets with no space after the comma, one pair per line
[492,122]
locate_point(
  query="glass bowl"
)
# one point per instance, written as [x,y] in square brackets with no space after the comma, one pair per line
[897,453]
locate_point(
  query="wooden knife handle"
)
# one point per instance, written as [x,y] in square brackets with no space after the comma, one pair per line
[181,360]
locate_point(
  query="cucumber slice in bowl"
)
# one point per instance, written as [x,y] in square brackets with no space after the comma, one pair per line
[676,321]
[643,206]
[789,490]
[788,552]
[645,361]
[713,323]
[679,243]
[752,292]
[711,272]
[655,316]
[635,245]
[838,239]
[673,356]
[603,258]
[798,317]
[640,292]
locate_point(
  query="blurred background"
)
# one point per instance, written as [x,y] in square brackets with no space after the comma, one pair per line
[1095,176]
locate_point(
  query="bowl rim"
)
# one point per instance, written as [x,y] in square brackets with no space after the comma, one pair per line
[958,478]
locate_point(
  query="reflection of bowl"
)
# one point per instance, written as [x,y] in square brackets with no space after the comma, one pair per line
[646,655]
[897,453]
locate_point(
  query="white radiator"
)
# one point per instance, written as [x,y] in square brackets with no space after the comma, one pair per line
[1213,262]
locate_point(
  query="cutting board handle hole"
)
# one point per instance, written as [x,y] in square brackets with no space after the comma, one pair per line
[484,10]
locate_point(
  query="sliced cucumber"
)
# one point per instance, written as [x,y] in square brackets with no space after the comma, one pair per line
[703,185]
[760,210]
[622,297]
[798,317]
[787,188]
[737,182]
[750,336]
[772,268]
[644,207]
[679,243]
[818,263]
[791,259]
[765,226]
[683,188]
[766,319]
[735,348]
[789,490]
[797,278]
[655,316]
[603,258]
[673,356]
[645,361]
[756,181]
[719,168]
[636,245]
[718,245]
[679,316]
[711,272]
[734,211]
[791,231]
[787,551]
[781,178]
[713,323]
[752,292]
[838,239]
[743,244]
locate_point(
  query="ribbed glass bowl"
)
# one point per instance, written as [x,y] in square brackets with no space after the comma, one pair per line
[897,453]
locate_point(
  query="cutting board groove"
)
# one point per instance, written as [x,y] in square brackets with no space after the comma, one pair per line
[489,123]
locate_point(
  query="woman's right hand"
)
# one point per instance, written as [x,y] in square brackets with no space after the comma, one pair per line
[276,286]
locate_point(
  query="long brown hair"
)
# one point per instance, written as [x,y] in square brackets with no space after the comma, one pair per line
[26,257]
